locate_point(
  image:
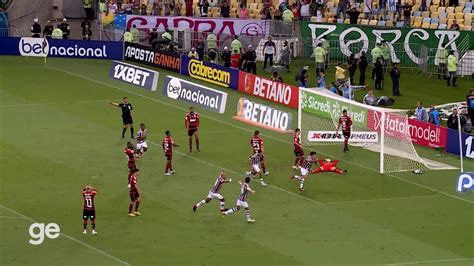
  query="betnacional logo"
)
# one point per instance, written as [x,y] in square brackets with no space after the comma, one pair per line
[264,116]
[331,136]
[197,69]
[465,182]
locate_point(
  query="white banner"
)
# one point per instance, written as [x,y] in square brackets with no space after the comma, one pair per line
[216,25]
[263,116]
[331,136]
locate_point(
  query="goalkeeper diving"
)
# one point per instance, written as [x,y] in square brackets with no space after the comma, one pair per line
[328,165]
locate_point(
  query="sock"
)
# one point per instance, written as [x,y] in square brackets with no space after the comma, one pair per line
[131,132]
[197,143]
[297,177]
[85,224]
[222,205]
[130,207]
[190,143]
[317,170]
[136,205]
[263,167]
[93,224]
[168,167]
[296,161]
[345,143]
[123,132]
[454,81]
[229,211]
[339,171]
[301,183]
[202,202]
[247,214]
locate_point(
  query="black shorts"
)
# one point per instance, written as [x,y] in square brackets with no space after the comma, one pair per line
[191,131]
[169,156]
[86,214]
[127,120]
[299,153]
[134,195]
[346,134]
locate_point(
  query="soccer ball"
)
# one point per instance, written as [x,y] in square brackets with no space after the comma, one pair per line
[418,171]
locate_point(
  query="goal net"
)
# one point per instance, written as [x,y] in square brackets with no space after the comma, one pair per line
[380,130]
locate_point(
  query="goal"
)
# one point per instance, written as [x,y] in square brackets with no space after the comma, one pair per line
[380,130]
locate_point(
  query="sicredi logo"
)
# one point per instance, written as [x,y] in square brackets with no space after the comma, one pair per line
[262,115]
[135,75]
[33,47]
[38,231]
[179,89]
[465,182]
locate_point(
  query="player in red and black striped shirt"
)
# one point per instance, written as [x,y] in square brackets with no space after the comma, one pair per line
[130,154]
[168,144]
[88,194]
[191,122]
[257,147]
[298,149]
[345,122]
[134,194]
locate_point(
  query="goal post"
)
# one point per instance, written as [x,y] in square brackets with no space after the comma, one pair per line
[380,130]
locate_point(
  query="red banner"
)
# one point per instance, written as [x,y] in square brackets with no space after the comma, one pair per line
[268,89]
[426,134]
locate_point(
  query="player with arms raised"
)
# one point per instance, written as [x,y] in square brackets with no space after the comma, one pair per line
[88,194]
[242,200]
[142,146]
[298,149]
[255,162]
[345,123]
[168,144]
[257,147]
[305,169]
[214,192]
[130,154]
[134,194]
[328,165]
[191,122]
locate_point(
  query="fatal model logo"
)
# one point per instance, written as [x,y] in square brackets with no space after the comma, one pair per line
[465,182]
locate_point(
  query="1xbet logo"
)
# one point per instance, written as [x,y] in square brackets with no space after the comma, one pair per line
[465,182]
[39,230]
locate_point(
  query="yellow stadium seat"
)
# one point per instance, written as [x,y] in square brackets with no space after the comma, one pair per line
[313,19]
[433,8]
[435,2]
[415,8]
[364,22]
[232,15]
[373,22]
[260,6]
[468,22]
[418,19]
[425,25]
[253,6]
[450,9]
[250,2]
[417,24]
[434,15]
[330,5]
[468,27]
[443,20]
[451,16]
[433,26]
[425,14]
[458,9]
[347,21]
[442,9]
[459,16]
[389,23]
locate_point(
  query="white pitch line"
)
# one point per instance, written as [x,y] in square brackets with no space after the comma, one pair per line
[70,237]
[271,137]
[200,132]
[51,103]
[428,261]
[382,199]
[11,217]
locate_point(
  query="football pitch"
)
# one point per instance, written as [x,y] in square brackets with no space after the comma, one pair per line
[58,133]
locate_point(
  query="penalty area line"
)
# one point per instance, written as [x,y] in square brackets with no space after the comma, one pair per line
[69,237]
[428,261]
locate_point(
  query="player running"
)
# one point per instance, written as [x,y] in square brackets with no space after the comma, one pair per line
[327,165]
[142,146]
[88,194]
[130,154]
[214,193]
[298,149]
[257,147]
[191,122]
[168,144]
[134,194]
[242,200]
[305,169]
[255,162]
[345,122]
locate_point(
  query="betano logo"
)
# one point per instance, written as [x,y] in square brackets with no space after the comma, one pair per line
[198,70]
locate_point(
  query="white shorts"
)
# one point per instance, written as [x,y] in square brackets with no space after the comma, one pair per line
[303,171]
[242,204]
[256,168]
[142,145]
[213,195]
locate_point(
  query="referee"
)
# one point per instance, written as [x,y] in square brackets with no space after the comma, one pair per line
[127,113]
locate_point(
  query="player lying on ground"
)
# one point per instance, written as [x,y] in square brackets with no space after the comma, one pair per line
[327,165]
[88,194]
[345,122]
[242,200]
[130,155]
[191,122]
[255,161]
[168,144]
[142,146]
[214,193]
[257,147]
[305,169]
[298,149]
[134,194]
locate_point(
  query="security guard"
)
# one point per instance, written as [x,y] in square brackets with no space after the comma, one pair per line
[385,49]
[48,30]
[376,53]
[57,33]
[287,15]
[452,68]
[442,61]
[167,36]
[325,45]
[250,57]
[236,46]
[225,56]
[88,9]
[135,34]
[319,54]
[211,42]
[127,36]
[65,29]
[35,29]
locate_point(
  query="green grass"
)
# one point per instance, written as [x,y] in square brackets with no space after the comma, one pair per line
[58,134]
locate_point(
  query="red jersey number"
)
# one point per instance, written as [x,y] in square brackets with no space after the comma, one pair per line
[345,122]
[192,120]
[168,145]
[257,144]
